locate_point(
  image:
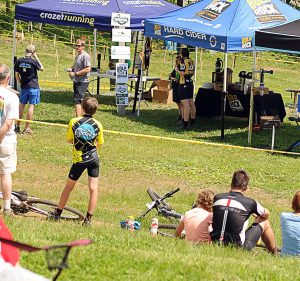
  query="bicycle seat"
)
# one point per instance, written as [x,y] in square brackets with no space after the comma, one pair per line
[21,195]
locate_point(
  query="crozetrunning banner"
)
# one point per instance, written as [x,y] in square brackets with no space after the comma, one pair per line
[226,26]
[91,13]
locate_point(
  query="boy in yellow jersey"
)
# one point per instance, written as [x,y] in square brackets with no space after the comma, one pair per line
[86,135]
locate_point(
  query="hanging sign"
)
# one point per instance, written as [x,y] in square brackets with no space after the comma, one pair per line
[120,52]
[121,35]
[121,73]
[121,94]
[119,19]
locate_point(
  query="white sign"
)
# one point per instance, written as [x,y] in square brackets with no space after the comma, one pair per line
[121,35]
[121,94]
[121,73]
[120,53]
[119,19]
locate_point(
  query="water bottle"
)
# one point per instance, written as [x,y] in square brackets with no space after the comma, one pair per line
[130,223]
[154,227]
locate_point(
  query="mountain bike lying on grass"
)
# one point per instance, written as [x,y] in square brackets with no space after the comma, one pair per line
[21,203]
[163,209]
[56,255]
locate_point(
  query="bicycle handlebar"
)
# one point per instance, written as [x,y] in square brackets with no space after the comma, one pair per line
[170,194]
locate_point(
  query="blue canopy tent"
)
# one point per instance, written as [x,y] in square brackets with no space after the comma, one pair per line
[93,14]
[224,26]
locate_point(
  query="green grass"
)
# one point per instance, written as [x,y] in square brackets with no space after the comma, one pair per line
[131,164]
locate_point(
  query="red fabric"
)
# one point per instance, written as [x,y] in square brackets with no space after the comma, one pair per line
[9,253]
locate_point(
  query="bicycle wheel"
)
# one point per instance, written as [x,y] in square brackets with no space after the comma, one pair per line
[166,229]
[155,196]
[43,207]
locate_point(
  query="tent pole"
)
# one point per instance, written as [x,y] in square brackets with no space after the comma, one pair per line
[251,100]
[141,78]
[223,97]
[95,48]
[196,65]
[12,76]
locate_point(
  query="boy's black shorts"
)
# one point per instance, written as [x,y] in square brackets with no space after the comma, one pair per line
[78,168]
[79,91]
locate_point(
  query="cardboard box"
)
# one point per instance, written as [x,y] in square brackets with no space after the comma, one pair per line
[162,95]
[267,122]
[256,90]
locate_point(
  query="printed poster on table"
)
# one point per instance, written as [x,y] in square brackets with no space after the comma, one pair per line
[121,94]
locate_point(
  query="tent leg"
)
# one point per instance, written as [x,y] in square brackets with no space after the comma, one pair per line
[251,100]
[12,77]
[223,97]
[141,80]
[196,65]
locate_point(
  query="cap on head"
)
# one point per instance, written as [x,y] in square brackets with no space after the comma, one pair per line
[30,49]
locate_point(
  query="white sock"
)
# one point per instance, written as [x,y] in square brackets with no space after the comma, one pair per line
[6,204]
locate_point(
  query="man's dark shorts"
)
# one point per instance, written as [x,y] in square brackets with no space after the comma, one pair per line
[252,236]
[79,91]
[186,91]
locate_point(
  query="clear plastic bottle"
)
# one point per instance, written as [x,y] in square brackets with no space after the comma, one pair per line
[154,227]
[130,223]
[261,89]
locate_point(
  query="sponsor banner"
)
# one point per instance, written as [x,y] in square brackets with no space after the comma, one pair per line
[265,11]
[189,37]
[58,18]
[121,94]
[247,43]
[119,19]
[144,3]
[121,73]
[120,53]
[121,35]
[213,10]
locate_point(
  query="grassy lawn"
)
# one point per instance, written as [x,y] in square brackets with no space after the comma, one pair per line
[131,164]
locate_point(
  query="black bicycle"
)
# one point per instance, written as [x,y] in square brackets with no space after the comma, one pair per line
[163,209]
[21,203]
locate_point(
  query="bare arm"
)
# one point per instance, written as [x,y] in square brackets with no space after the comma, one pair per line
[17,75]
[37,58]
[179,229]
[266,214]
[5,128]
[83,71]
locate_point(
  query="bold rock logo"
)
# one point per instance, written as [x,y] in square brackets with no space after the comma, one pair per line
[157,29]
[246,42]
[213,10]
[265,11]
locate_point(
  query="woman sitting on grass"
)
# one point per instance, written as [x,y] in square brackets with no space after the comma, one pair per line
[197,221]
[290,228]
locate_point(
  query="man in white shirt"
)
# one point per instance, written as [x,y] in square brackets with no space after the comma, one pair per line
[9,112]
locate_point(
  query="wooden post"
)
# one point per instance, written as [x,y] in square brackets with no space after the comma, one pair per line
[57,64]
[54,41]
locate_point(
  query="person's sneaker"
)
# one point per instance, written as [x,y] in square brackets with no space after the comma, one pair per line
[86,222]
[52,215]
[8,213]
[27,131]
[17,130]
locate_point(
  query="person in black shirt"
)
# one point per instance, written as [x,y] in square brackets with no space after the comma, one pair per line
[231,212]
[26,75]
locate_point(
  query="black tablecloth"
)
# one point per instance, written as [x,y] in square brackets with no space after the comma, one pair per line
[208,103]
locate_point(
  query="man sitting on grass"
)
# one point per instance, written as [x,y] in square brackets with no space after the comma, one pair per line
[197,222]
[231,212]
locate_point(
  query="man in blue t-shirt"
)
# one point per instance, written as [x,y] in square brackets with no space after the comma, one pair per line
[26,69]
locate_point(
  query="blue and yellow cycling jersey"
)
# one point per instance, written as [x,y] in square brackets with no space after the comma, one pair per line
[186,68]
[86,134]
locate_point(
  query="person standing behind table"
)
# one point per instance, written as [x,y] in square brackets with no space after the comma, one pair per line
[174,78]
[80,73]
[26,75]
[9,112]
[86,135]
[197,221]
[186,89]
[290,229]
[230,229]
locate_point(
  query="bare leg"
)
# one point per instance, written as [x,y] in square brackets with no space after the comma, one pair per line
[21,112]
[93,187]
[66,193]
[6,187]
[192,108]
[29,115]
[186,110]
[78,110]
